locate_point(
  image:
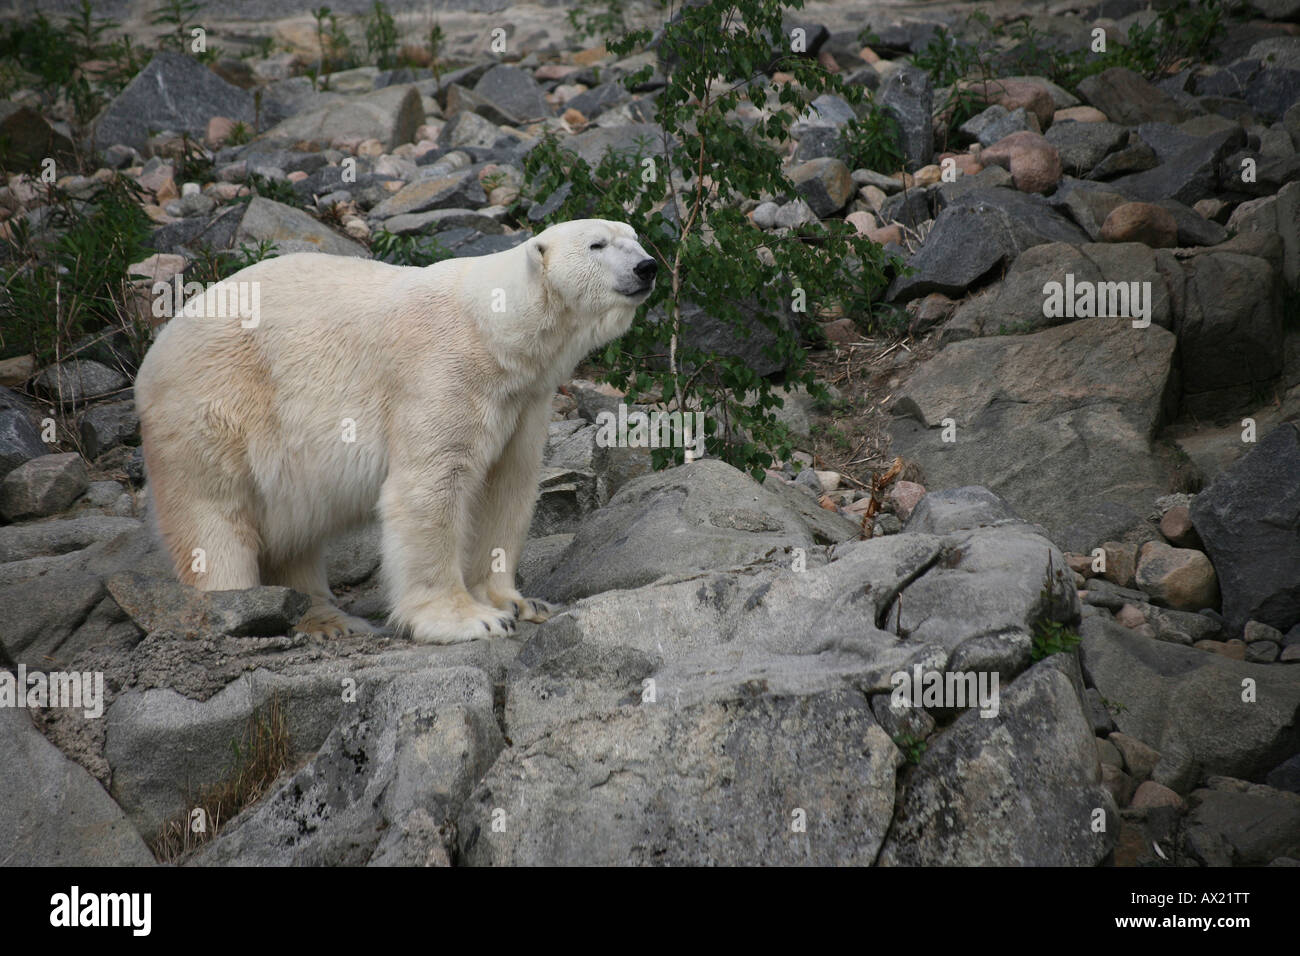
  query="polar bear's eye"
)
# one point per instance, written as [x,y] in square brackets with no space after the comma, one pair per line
[598,245]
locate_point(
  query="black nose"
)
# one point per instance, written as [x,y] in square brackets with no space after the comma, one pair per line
[646,269]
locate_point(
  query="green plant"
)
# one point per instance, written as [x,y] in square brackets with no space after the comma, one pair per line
[240,133]
[913,747]
[54,56]
[127,60]
[680,195]
[71,281]
[1050,634]
[871,142]
[437,39]
[335,45]
[179,15]
[1053,637]
[407,250]
[597,18]
[946,58]
[279,190]
[85,30]
[381,36]
[213,265]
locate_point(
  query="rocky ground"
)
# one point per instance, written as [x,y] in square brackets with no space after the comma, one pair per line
[722,669]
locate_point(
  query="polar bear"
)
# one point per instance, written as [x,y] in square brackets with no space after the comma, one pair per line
[346,384]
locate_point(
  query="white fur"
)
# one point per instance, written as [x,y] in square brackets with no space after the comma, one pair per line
[243,427]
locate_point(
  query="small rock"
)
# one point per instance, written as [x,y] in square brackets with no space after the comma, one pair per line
[14,371]
[796,213]
[1079,114]
[42,486]
[106,426]
[1131,616]
[1108,753]
[1262,652]
[1179,578]
[1176,526]
[1259,631]
[825,184]
[1141,222]
[1121,563]
[842,331]
[904,496]
[1139,759]
[1150,795]
[1118,783]
[1234,650]
[80,380]
[1034,163]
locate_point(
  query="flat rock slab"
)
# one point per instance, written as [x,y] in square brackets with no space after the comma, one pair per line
[54,813]
[1070,407]
[721,781]
[383,782]
[705,515]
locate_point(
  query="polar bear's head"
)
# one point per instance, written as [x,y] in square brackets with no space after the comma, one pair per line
[596,271]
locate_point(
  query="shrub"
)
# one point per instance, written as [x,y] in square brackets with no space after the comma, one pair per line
[72,279]
[681,197]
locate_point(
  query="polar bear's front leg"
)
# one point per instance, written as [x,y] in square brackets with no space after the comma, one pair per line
[504,512]
[425,506]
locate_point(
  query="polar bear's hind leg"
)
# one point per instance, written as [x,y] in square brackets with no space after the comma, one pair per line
[306,573]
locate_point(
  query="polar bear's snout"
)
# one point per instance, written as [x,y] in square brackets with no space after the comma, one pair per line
[636,270]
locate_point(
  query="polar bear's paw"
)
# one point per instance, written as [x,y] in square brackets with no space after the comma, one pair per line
[452,626]
[525,609]
[324,621]
[532,609]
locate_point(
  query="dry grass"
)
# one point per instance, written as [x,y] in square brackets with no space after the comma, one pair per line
[259,760]
[853,438]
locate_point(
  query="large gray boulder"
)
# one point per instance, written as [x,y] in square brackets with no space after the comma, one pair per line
[291,230]
[909,97]
[42,486]
[1022,788]
[1229,331]
[391,115]
[383,782]
[1072,407]
[164,747]
[1203,713]
[702,516]
[19,440]
[975,234]
[1249,521]
[514,93]
[1015,305]
[27,139]
[54,813]
[714,782]
[173,92]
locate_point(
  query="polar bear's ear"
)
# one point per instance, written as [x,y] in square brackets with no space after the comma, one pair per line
[537,254]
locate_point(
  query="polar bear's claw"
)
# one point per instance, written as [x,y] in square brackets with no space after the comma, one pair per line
[324,621]
[537,611]
[448,627]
